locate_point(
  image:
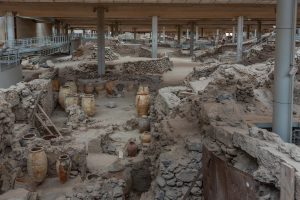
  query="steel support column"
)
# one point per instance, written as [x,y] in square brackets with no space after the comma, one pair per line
[154,37]
[179,34]
[284,68]
[164,34]
[10,27]
[240,37]
[192,39]
[197,33]
[259,30]
[101,41]
[233,34]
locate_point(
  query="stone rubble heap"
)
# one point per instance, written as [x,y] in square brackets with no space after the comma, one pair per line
[180,176]
[156,66]
[76,117]
[89,52]
[104,189]
[7,119]
[22,97]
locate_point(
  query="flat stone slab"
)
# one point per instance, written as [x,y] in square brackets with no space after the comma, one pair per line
[199,86]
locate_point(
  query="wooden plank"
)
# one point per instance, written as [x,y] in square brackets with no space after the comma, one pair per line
[287,182]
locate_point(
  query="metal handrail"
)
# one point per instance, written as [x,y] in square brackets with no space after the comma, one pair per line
[36,41]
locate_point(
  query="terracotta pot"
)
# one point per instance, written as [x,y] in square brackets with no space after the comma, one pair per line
[130,86]
[146,137]
[132,149]
[63,92]
[99,87]
[28,138]
[37,164]
[144,124]
[49,137]
[63,167]
[72,86]
[55,85]
[81,87]
[143,90]
[109,87]
[72,99]
[89,88]
[88,104]
[142,104]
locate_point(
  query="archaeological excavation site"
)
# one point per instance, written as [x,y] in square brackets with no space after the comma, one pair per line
[149,100]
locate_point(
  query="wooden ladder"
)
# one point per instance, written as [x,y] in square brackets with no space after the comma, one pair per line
[45,121]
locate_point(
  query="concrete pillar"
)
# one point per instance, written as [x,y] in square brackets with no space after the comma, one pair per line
[248,31]
[10,26]
[134,33]
[53,30]
[101,41]
[285,68]
[233,34]
[154,37]
[217,36]
[259,30]
[57,27]
[240,37]
[43,29]
[179,34]
[187,34]
[192,39]
[164,34]
[255,33]
[197,33]
[116,29]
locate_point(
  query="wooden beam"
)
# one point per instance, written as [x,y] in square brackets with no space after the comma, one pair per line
[287,182]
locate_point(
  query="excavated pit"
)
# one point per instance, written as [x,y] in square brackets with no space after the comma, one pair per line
[208,124]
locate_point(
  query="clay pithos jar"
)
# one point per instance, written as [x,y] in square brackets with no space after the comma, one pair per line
[142,104]
[132,148]
[63,167]
[37,164]
[89,88]
[63,92]
[146,137]
[55,85]
[144,124]
[72,86]
[71,99]
[49,137]
[26,139]
[88,105]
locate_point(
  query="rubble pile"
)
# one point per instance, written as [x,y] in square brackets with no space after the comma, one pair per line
[180,176]
[22,98]
[89,52]
[99,189]
[7,119]
[76,117]
[157,66]
[81,71]
[259,54]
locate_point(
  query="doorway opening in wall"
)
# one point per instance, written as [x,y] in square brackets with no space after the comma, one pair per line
[295,134]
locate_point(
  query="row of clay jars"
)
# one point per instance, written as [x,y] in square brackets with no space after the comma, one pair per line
[37,165]
[90,88]
[67,98]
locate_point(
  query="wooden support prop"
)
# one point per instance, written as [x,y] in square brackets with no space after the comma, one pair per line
[287,182]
